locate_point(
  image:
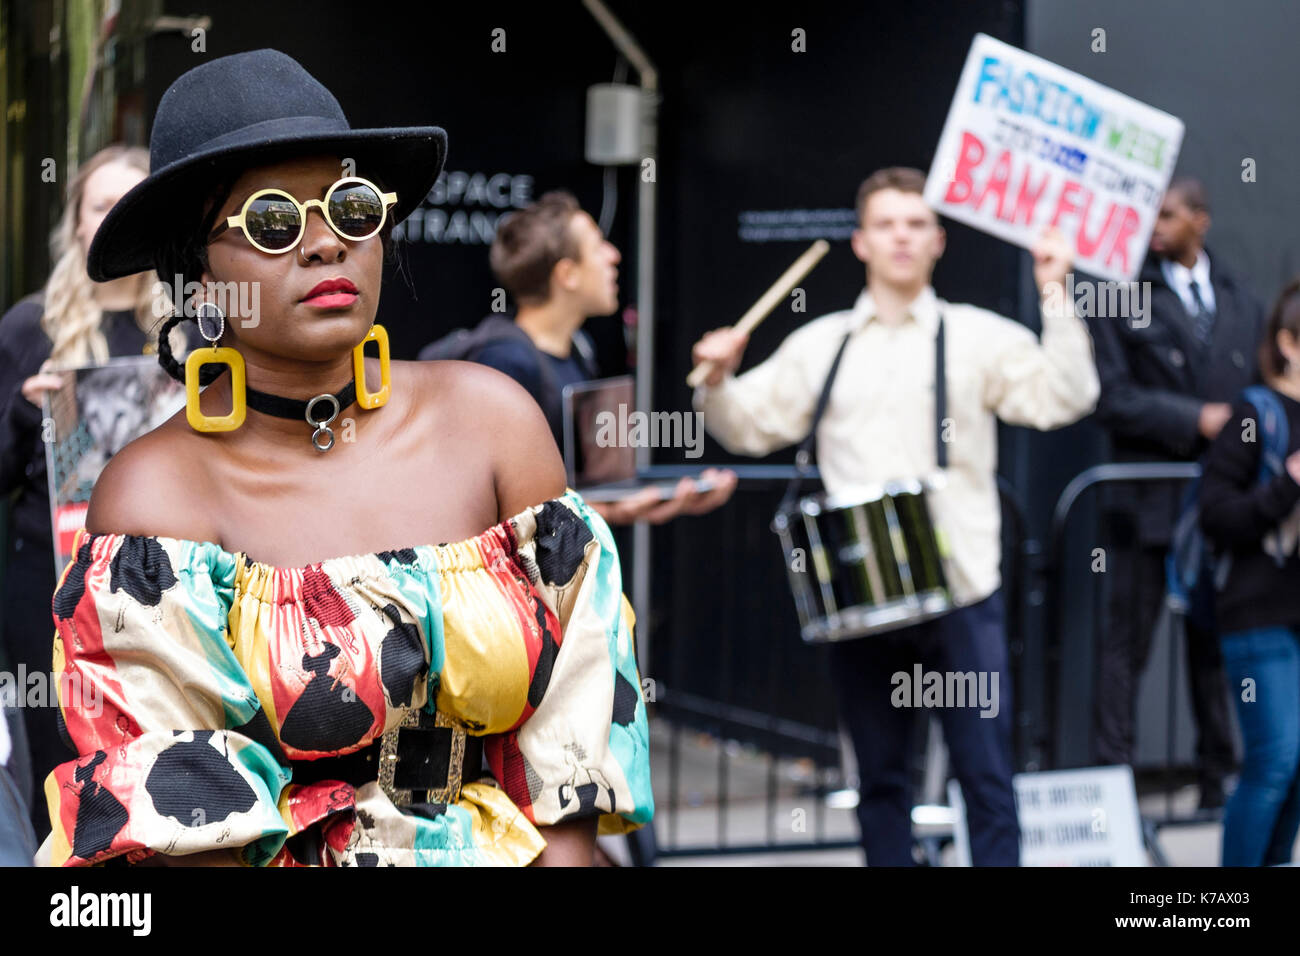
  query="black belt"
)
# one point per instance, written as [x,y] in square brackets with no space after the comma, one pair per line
[424,760]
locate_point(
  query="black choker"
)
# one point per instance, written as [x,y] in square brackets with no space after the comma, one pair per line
[318,412]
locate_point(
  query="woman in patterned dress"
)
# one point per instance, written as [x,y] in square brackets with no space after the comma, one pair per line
[271,654]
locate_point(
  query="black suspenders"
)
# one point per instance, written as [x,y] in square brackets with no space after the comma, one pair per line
[940,397]
[803,456]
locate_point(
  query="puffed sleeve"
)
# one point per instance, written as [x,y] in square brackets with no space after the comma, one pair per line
[176,755]
[585,749]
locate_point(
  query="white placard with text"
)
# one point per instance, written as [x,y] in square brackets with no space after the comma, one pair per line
[1029,144]
[1083,817]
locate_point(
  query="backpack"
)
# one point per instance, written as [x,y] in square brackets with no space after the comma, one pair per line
[1193,562]
[467,344]
[463,344]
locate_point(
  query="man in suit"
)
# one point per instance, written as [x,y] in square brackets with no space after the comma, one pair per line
[1167,380]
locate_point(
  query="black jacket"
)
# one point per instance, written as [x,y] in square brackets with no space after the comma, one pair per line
[1239,513]
[1155,376]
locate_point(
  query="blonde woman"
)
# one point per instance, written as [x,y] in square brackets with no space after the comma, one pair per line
[72,322]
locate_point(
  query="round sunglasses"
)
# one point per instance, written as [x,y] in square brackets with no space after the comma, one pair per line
[275,222]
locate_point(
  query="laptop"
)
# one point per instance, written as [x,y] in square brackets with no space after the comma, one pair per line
[599,461]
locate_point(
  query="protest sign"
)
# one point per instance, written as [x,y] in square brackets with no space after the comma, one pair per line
[1029,145]
[96,413]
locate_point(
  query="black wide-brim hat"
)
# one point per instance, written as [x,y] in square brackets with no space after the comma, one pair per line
[246,110]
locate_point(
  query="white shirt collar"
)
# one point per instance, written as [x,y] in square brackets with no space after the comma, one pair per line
[924,309]
[1183,276]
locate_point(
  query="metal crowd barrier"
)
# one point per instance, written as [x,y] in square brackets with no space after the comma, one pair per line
[1033,583]
[780,739]
[1067,505]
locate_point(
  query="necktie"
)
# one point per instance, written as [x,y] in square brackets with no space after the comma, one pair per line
[1203,317]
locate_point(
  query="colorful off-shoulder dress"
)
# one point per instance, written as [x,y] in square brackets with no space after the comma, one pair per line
[321,715]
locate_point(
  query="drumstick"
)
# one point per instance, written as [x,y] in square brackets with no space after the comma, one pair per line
[768,301]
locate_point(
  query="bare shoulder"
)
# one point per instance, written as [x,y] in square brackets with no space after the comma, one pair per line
[527,464]
[481,396]
[156,486]
[471,385]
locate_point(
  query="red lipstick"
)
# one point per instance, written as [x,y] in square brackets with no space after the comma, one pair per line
[331,294]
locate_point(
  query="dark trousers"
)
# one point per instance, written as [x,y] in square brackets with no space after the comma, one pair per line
[1135,579]
[971,639]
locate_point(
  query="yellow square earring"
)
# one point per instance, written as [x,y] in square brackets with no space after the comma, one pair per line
[366,398]
[217,355]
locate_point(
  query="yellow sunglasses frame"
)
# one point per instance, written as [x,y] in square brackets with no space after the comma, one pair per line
[238,221]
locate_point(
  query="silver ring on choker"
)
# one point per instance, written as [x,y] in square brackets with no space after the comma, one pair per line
[322,425]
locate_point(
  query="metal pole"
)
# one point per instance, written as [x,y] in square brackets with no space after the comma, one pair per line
[645,350]
[645,272]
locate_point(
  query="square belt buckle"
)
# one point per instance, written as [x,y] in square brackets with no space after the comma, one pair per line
[421,760]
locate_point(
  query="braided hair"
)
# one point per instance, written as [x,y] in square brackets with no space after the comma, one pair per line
[183,258]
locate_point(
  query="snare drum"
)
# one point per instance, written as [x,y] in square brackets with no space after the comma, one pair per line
[865,566]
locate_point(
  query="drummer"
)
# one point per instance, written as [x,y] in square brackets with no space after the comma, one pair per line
[882,424]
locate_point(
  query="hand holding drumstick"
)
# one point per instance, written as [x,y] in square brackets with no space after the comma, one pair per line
[720,351]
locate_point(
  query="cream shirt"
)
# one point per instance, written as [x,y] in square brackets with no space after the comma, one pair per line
[880,422]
